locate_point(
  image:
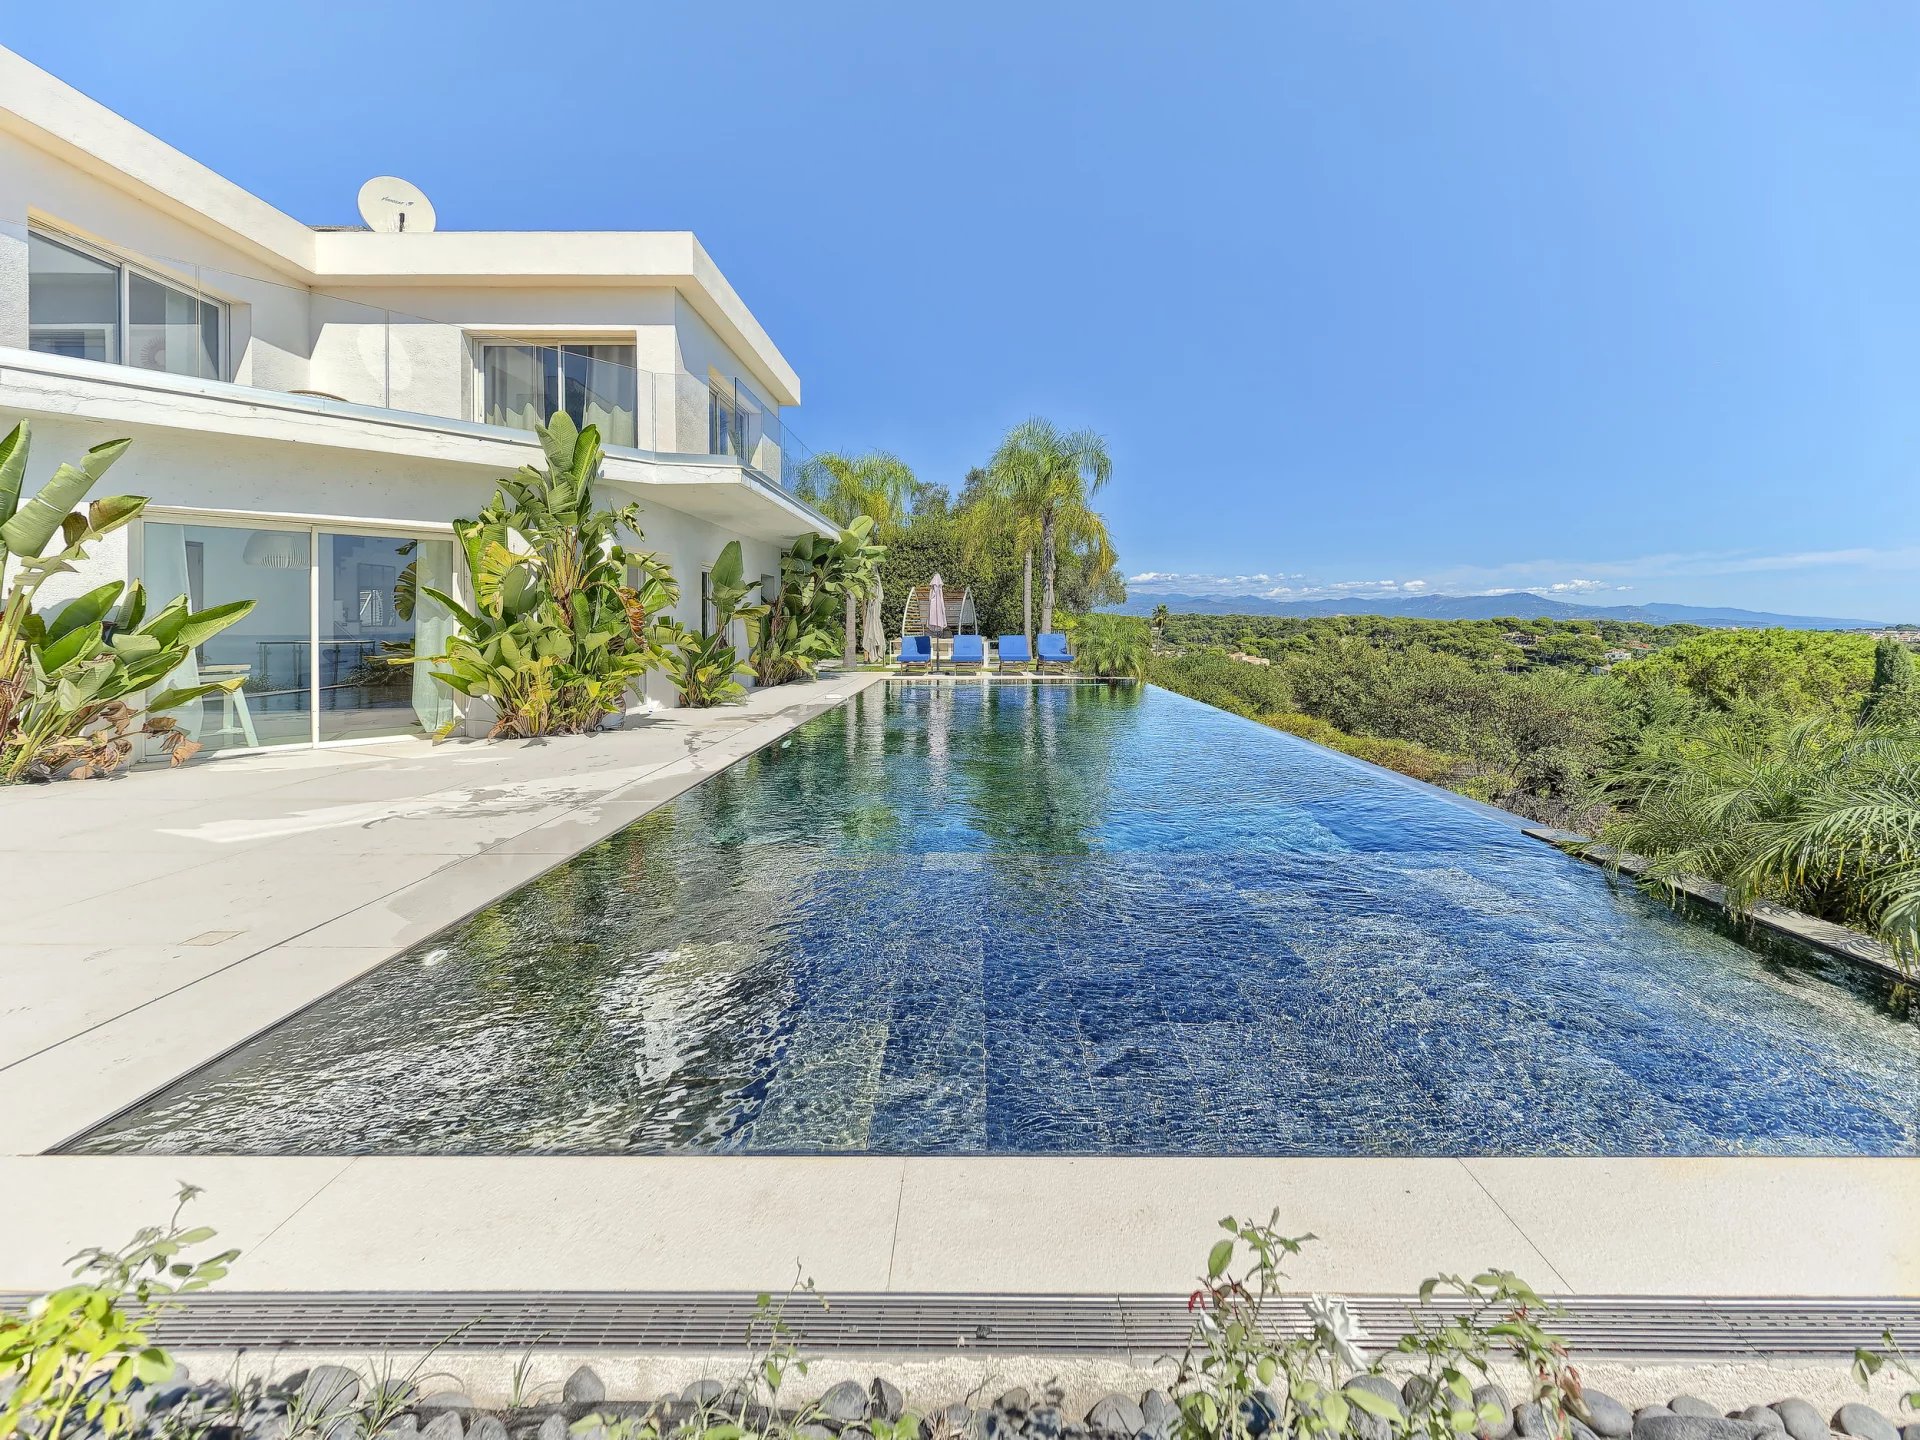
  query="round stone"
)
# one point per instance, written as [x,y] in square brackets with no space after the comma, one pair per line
[328,1389]
[1158,1413]
[845,1403]
[1694,1405]
[1765,1416]
[1500,1427]
[1607,1416]
[1801,1420]
[1367,1426]
[1116,1414]
[584,1387]
[1864,1423]
[887,1400]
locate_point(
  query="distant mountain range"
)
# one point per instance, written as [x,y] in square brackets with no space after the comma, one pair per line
[1522,605]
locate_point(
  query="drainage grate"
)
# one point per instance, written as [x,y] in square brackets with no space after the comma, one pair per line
[1143,1327]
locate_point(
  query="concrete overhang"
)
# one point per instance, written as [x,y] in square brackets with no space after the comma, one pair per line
[712,488]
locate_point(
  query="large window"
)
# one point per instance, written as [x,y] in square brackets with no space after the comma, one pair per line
[332,610]
[595,384]
[93,307]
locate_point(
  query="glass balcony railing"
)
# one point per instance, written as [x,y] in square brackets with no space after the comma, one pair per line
[86,302]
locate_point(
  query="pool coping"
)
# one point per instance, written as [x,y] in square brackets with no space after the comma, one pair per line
[861,1224]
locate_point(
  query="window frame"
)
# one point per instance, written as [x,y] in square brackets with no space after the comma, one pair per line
[478,342]
[125,267]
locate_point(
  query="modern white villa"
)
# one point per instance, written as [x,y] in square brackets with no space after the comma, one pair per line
[311,406]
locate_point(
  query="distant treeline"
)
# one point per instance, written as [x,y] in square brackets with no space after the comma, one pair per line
[1510,642]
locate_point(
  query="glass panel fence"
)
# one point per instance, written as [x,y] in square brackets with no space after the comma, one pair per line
[185,322]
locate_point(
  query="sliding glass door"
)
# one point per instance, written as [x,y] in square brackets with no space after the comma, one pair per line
[332,611]
[371,614]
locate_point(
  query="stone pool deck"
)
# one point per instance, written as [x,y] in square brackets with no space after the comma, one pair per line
[157,920]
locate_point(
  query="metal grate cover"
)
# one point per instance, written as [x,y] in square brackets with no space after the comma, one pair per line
[1140,1326]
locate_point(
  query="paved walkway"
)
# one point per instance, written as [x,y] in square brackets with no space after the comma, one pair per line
[157,920]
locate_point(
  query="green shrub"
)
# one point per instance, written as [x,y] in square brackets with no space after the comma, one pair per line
[72,680]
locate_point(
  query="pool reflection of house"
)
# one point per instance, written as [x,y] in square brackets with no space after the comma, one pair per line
[311,406]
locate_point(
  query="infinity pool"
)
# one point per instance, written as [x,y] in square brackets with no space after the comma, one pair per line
[1066,919]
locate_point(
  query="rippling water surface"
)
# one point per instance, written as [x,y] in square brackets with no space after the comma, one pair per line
[1064,918]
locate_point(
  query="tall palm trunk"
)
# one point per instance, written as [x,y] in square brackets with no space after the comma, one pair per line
[853,615]
[1046,570]
[1026,598]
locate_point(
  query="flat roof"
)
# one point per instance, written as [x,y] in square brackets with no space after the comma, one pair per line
[55,117]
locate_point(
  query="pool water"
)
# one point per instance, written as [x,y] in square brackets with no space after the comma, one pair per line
[1066,919]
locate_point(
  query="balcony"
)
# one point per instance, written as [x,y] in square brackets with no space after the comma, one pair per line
[86,304]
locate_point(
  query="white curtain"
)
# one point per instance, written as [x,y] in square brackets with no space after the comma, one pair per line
[607,378]
[432,624]
[165,568]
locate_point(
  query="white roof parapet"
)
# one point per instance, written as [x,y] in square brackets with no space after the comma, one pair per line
[55,117]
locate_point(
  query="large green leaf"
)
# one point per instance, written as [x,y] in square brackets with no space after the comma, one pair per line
[85,610]
[468,620]
[203,625]
[165,623]
[727,567]
[113,512]
[77,644]
[173,699]
[133,609]
[13,469]
[35,522]
[558,437]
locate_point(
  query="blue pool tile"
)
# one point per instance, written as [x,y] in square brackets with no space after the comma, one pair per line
[1066,919]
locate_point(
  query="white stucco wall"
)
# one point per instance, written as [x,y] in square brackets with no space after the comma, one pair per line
[269,339]
[184,473]
[403,347]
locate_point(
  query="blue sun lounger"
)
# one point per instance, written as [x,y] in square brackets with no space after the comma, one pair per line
[916,652]
[968,652]
[1054,654]
[1014,654]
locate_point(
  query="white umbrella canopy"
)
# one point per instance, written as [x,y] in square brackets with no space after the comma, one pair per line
[873,640]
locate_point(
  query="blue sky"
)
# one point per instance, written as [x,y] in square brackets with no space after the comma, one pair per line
[1369,298]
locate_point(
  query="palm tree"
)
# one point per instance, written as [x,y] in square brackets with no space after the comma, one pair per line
[1039,486]
[1160,617]
[844,487]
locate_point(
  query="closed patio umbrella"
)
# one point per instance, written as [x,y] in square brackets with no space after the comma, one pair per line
[873,636]
[936,613]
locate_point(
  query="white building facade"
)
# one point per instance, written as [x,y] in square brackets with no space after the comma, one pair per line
[311,408]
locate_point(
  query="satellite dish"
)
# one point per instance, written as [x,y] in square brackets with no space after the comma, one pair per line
[389,203]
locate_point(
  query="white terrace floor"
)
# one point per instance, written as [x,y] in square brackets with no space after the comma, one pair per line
[154,921]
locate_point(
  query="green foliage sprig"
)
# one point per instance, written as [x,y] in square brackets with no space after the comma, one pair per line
[79,1354]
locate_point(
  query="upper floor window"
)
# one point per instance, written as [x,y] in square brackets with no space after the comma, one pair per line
[93,307]
[726,424]
[595,384]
